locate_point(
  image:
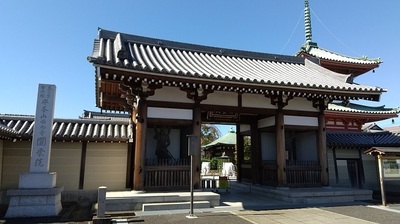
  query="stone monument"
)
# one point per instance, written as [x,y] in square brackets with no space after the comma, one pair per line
[37,194]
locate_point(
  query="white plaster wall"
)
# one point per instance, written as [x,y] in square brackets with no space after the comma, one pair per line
[301,104]
[66,161]
[16,160]
[347,154]
[169,113]
[331,167]
[301,121]
[343,173]
[306,146]
[371,175]
[221,98]
[257,101]
[268,146]
[170,94]
[266,122]
[173,148]
[106,166]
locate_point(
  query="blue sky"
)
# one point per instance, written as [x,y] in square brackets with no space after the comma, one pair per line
[48,41]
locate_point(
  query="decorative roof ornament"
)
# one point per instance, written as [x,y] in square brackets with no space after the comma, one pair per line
[307,22]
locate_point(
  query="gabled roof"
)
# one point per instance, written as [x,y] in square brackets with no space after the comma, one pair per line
[386,151]
[71,129]
[362,139]
[176,62]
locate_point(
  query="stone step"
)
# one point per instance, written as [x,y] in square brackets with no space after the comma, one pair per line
[174,206]
[307,195]
[132,201]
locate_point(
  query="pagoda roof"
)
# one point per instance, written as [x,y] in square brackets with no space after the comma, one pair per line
[362,113]
[69,129]
[243,71]
[329,59]
[322,53]
[358,108]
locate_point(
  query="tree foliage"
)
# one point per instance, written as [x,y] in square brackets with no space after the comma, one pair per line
[209,133]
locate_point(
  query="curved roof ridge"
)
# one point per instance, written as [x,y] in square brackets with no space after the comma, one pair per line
[107,34]
[341,57]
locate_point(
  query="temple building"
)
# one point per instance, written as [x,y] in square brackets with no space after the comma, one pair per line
[304,129]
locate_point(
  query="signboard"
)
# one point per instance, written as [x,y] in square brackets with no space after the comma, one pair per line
[42,132]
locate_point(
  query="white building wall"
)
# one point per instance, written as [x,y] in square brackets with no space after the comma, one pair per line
[331,167]
[300,104]
[66,161]
[371,175]
[268,146]
[168,93]
[222,99]
[257,101]
[106,166]
[343,174]
[16,160]
[169,113]
[301,121]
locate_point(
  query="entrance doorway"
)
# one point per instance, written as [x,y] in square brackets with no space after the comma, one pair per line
[354,176]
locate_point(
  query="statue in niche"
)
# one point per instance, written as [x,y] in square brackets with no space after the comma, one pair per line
[163,141]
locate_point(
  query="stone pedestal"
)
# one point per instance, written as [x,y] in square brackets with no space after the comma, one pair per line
[34,202]
[36,196]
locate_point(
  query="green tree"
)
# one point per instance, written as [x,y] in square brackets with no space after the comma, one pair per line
[247,148]
[209,133]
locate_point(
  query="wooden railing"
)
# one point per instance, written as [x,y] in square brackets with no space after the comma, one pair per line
[269,173]
[167,174]
[246,172]
[303,173]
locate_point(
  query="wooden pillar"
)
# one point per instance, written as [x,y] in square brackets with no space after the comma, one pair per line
[280,148]
[140,145]
[321,145]
[255,153]
[240,152]
[197,158]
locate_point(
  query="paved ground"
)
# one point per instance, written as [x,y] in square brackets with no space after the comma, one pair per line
[241,208]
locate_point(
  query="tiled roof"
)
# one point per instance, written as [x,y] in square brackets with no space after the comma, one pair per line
[362,139]
[175,59]
[6,132]
[227,139]
[329,55]
[352,107]
[72,129]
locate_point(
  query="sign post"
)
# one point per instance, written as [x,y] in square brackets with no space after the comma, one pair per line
[193,150]
[38,185]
